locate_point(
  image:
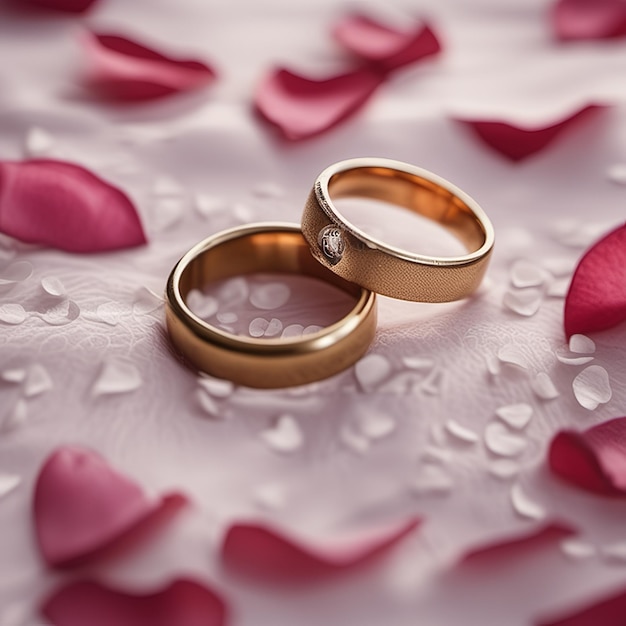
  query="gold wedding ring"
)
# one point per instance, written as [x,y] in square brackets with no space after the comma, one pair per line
[263,363]
[355,256]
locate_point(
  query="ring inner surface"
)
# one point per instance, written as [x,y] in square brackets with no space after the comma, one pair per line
[273,251]
[414,193]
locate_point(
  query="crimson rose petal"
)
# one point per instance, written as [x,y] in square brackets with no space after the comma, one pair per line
[517,143]
[257,550]
[594,460]
[182,603]
[65,206]
[84,509]
[589,19]
[386,46]
[607,612]
[596,299]
[124,70]
[301,107]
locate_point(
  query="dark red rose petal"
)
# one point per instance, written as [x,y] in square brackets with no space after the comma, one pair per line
[518,143]
[262,552]
[505,550]
[596,299]
[589,19]
[182,603]
[85,510]
[388,47]
[65,6]
[65,206]
[301,107]
[608,612]
[594,460]
[124,70]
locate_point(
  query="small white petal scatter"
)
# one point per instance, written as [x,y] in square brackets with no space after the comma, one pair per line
[433,383]
[617,173]
[493,364]
[432,479]
[285,435]
[202,305]
[37,381]
[8,482]
[270,496]
[62,313]
[438,455]
[38,142]
[17,272]
[559,266]
[53,286]
[16,416]
[525,273]
[501,441]
[577,549]
[233,293]
[512,355]
[353,439]
[568,358]
[460,432]
[117,377]
[614,551]
[146,301]
[504,468]
[110,313]
[16,375]
[242,212]
[269,296]
[12,313]
[371,370]
[258,326]
[581,344]
[524,302]
[543,387]
[217,387]
[523,505]
[312,329]
[207,403]
[515,415]
[558,288]
[592,387]
[376,425]
[227,317]
[419,363]
[293,331]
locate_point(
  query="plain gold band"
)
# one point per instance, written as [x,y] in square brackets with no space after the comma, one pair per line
[352,254]
[263,363]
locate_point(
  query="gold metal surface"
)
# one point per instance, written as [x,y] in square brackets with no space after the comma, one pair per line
[263,363]
[383,268]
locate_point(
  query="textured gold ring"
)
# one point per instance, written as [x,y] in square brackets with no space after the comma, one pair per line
[352,254]
[263,363]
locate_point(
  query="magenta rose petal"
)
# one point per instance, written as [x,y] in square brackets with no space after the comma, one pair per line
[85,510]
[182,603]
[502,551]
[301,107]
[518,143]
[589,19]
[594,460]
[259,551]
[65,206]
[596,298]
[384,45]
[64,6]
[607,612]
[124,70]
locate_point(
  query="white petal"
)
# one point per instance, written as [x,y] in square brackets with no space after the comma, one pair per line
[525,302]
[207,403]
[375,425]
[525,273]
[39,142]
[617,173]
[8,482]
[577,549]
[501,441]
[592,387]
[270,496]
[515,415]
[11,313]
[206,205]
[16,416]
[581,344]
[258,326]
[227,317]
[202,305]
[53,286]
[274,328]
[504,468]
[418,363]
[512,355]
[312,329]
[117,377]
[16,375]
[568,358]
[62,313]
[293,331]
[371,370]
[524,506]
[432,479]
[543,387]
[38,381]
[146,301]
[461,432]
[216,387]
[353,439]
[270,295]
[558,288]
[16,273]
[285,436]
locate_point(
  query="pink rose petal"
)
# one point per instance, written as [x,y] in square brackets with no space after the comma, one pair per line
[301,107]
[607,612]
[84,509]
[594,460]
[260,551]
[65,206]
[504,551]
[182,603]
[123,70]
[517,143]
[596,299]
[589,19]
[383,45]
[65,6]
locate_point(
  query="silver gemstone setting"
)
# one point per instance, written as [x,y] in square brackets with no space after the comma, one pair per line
[331,243]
